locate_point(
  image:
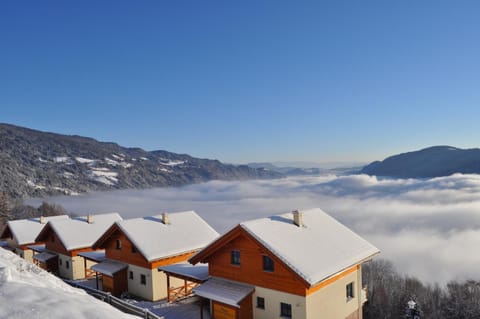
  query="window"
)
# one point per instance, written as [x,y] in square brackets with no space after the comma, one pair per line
[130,275]
[118,244]
[143,279]
[268,264]
[260,302]
[350,294]
[52,239]
[67,264]
[285,310]
[134,249]
[59,261]
[235,257]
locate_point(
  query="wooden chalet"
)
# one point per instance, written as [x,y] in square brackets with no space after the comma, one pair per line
[66,241]
[297,265]
[136,248]
[21,234]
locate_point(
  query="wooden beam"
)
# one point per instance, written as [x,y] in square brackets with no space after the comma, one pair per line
[96,279]
[168,288]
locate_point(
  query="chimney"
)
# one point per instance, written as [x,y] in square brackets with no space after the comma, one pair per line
[43,220]
[165,219]
[90,219]
[298,218]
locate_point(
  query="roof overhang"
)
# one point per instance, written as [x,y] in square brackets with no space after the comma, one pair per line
[37,248]
[44,257]
[109,267]
[195,273]
[224,291]
[96,255]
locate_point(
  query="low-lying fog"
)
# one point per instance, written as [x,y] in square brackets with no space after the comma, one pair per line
[428,228]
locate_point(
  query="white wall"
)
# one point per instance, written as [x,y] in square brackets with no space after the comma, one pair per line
[155,287]
[28,255]
[76,269]
[273,299]
[330,302]
[134,285]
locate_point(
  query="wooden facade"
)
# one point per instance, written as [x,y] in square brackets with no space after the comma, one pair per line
[50,265]
[281,280]
[116,284]
[223,311]
[119,247]
[54,244]
[129,254]
[250,270]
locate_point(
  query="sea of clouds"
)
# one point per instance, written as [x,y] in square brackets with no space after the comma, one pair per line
[429,228]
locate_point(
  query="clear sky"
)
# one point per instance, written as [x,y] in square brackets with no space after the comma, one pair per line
[246,81]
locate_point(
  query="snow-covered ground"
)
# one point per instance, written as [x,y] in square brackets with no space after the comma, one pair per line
[84,160]
[188,308]
[27,291]
[104,175]
[173,163]
[61,159]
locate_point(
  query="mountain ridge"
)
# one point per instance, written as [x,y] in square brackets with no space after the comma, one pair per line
[434,161]
[37,164]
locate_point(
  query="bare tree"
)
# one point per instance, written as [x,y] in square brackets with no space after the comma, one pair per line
[462,300]
[47,209]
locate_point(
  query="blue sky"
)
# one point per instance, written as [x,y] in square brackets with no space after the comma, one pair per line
[246,81]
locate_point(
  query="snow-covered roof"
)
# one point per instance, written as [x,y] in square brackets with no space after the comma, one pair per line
[109,267]
[44,257]
[25,231]
[76,233]
[224,291]
[198,272]
[315,251]
[185,232]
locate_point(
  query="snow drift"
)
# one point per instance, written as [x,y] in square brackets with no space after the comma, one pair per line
[27,291]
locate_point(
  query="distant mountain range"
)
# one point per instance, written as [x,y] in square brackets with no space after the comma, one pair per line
[298,171]
[434,161]
[286,170]
[35,163]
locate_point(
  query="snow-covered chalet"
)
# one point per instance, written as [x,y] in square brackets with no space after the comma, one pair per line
[302,265]
[68,241]
[21,234]
[136,248]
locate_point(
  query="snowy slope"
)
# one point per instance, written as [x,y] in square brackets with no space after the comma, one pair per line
[36,164]
[26,291]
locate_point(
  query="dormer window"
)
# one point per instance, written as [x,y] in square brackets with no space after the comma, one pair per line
[118,244]
[235,257]
[268,264]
